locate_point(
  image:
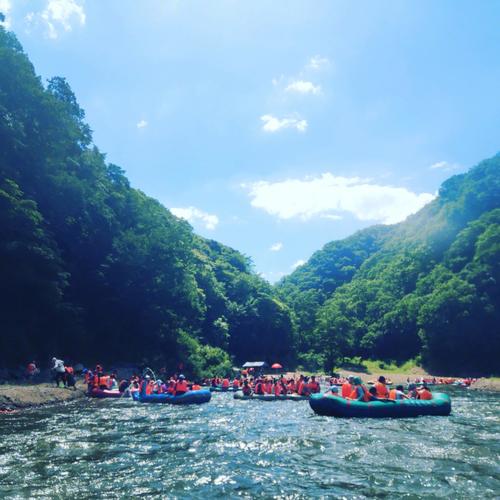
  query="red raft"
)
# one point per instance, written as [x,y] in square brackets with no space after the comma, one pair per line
[107,393]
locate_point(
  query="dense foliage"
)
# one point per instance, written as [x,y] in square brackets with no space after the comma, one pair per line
[92,269]
[426,287]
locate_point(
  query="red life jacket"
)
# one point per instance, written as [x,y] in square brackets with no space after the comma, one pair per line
[366,394]
[425,394]
[225,383]
[236,383]
[181,387]
[346,390]
[313,387]
[382,391]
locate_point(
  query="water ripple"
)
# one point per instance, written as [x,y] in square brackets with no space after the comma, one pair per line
[247,449]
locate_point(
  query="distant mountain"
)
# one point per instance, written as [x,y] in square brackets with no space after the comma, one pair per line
[428,286]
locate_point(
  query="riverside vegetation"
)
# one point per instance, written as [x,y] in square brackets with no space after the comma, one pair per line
[93,269]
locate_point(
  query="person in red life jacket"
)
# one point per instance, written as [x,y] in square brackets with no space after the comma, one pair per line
[225,384]
[313,386]
[259,387]
[171,387]
[277,389]
[425,393]
[268,386]
[397,393]
[181,386]
[246,389]
[347,387]
[303,387]
[284,388]
[31,371]
[360,392]
[236,384]
[69,377]
[291,386]
[381,388]
[196,386]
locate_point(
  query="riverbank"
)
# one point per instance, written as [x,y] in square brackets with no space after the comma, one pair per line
[491,384]
[23,396]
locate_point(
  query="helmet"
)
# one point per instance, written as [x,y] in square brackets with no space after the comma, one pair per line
[181,377]
[334,388]
[357,381]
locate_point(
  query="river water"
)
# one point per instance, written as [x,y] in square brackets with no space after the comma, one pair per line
[229,448]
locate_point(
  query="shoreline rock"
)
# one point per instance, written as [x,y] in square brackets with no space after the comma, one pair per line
[25,396]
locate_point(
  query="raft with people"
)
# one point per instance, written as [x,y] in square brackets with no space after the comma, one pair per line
[334,406]
[188,398]
[379,402]
[270,397]
[107,393]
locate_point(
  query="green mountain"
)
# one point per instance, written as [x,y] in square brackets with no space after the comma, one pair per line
[427,286]
[94,270]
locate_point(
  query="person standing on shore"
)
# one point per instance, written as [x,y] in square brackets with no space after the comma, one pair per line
[59,371]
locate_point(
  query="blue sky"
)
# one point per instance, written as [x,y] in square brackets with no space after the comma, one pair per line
[277,126]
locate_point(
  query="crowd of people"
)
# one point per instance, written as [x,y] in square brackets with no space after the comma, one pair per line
[62,374]
[351,387]
[348,388]
[302,385]
[175,385]
[354,389]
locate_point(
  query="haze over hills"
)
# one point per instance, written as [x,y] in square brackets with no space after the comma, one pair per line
[94,270]
[427,286]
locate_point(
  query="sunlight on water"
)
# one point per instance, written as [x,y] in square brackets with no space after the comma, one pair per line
[248,449]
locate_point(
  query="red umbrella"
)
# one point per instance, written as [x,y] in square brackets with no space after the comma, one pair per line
[276,366]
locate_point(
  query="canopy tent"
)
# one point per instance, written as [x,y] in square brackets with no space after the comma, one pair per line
[256,364]
[276,366]
[256,367]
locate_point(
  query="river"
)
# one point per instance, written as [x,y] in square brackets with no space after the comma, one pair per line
[228,448]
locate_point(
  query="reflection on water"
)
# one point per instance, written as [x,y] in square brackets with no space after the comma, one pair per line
[248,449]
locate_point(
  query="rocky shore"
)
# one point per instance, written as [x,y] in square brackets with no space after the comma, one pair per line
[22,396]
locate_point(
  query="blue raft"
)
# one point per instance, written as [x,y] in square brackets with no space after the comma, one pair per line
[334,406]
[188,398]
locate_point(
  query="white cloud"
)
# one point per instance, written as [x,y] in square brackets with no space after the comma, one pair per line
[327,195]
[303,87]
[273,124]
[331,216]
[317,62]
[142,124]
[276,247]
[61,14]
[444,166]
[193,215]
[5,8]
[272,276]
[299,263]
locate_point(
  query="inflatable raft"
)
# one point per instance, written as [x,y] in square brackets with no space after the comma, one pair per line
[270,397]
[335,406]
[107,393]
[188,398]
[218,388]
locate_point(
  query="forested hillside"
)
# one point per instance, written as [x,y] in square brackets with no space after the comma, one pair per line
[94,270]
[426,287]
